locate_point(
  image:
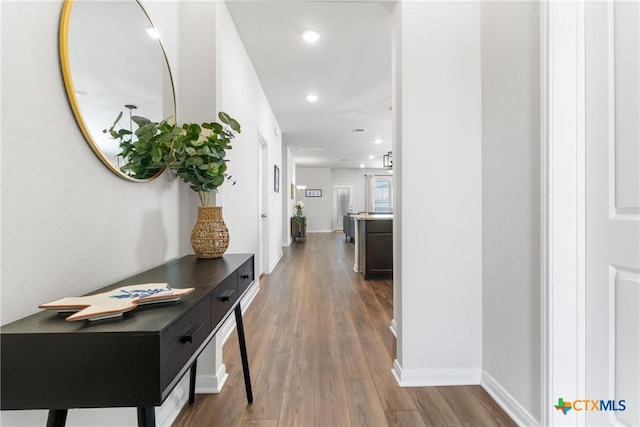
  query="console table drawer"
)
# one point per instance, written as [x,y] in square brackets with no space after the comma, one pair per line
[182,339]
[223,298]
[245,276]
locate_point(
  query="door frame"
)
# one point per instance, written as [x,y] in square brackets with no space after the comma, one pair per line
[563,302]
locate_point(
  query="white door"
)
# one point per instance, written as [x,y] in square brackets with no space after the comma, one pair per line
[342,194]
[263,206]
[612,213]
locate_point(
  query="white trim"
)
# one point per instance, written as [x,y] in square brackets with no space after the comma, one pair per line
[611,108]
[546,371]
[394,328]
[434,377]
[275,263]
[507,402]
[171,407]
[563,210]
[320,231]
[212,383]
[249,296]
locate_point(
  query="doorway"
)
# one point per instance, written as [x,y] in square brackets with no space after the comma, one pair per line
[263,206]
[342,203]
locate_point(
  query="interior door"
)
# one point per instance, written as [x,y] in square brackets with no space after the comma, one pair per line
[612,212]
[342,203]
[263,207]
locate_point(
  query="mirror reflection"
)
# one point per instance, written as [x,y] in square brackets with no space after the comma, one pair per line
[113,63]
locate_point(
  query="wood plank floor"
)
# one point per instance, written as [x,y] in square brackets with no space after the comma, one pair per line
[321,352]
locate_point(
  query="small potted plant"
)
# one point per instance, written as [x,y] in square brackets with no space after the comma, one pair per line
[300,220]
[197,154]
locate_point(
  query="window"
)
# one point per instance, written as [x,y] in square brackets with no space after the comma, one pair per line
[379,193]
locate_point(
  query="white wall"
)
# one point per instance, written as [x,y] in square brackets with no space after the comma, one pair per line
[440,325]
[318,210]
[511,201]
[69,225]
[240,94]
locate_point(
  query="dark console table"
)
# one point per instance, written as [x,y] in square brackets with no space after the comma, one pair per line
[133,361]
[299,231]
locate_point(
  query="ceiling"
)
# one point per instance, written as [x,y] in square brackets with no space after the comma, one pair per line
[348,68]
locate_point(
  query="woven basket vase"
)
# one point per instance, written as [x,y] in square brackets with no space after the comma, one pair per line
[210,236]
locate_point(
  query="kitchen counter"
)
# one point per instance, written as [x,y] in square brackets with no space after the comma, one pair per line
[373,217]
[374,246]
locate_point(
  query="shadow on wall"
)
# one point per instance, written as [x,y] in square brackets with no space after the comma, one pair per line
[153,230]
[188,203]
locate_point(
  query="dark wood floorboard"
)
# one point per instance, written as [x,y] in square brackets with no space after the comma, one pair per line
[321,353]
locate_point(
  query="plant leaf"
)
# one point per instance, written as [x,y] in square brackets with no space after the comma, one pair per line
[233,123]
[224,117]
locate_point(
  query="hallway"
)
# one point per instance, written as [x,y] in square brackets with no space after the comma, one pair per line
[321,352]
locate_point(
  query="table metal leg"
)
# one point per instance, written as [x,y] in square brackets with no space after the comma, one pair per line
[146,416]
[57,418]
[192,382]
[243,353]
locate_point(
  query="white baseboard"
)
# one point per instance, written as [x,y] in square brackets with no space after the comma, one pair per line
[507,402]
[212,383]
[394,328]
[275,263]
[319,231]
[170,409]
[248,297]
[434,377]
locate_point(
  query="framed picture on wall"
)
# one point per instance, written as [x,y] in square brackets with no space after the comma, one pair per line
[276,178]
[313,193]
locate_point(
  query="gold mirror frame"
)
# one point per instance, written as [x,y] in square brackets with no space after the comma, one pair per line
[167,89]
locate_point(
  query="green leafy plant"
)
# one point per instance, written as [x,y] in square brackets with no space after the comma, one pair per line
[143,157]
[198,153]
[195,152]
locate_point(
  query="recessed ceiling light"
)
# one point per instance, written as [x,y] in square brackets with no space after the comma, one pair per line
[153,33]
[312,98]
[377,141]
[371,157]
[362,166]
[310,36]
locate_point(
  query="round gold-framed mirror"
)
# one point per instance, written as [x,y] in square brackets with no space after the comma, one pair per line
[114,65]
